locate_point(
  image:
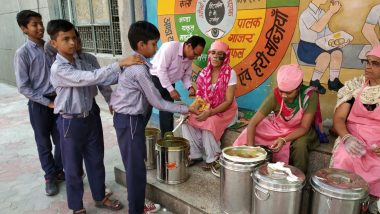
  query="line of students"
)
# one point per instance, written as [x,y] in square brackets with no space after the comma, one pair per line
[61,100]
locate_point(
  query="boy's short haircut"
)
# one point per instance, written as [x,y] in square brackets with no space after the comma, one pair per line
[77,33]
[195,41]
[142,31]
[58,25]
[23,17]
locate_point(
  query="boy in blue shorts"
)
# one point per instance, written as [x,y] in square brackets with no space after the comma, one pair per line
[130,102]
[32,72]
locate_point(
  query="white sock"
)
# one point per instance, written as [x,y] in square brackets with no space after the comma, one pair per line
[317,75]
[334,74]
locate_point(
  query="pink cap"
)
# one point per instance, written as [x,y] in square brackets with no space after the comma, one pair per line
[289,77]
[375,51]
[220,46]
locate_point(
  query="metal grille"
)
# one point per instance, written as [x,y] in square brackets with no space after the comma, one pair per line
[116,26]
[86,37]
[98,38]
[103,39]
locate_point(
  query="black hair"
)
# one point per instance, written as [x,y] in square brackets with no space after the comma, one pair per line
[142,31]
[195,41]
[58,25]
[23,17]
[77,33]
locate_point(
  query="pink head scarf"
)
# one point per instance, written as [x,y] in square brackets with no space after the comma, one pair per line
[289,77]
[374,52]
[204,85]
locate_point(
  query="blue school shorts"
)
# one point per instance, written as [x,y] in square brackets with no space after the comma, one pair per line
[308,52]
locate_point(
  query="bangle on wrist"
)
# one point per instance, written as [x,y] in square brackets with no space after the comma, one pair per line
[283,140]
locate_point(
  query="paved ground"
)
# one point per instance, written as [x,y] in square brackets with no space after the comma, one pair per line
[21,177]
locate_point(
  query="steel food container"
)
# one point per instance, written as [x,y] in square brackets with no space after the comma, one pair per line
[152,135]
[337,191]
[274,193]
[236,181]
[172,158]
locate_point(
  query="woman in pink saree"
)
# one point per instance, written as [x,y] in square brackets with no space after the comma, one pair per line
[215,84]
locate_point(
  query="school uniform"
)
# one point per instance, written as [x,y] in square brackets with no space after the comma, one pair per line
[32,70]
[75,84]
[105,90]
[130,101]
[169,65]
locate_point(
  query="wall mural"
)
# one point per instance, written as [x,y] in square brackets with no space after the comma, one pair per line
[264,33]
[257,31]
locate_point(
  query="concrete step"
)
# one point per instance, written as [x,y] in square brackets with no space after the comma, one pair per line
[199,194]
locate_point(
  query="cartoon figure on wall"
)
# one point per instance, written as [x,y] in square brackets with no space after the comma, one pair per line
[369,33]
[321,47]
[372,20]
[258,32]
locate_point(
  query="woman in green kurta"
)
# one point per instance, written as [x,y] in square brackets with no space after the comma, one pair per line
[285,121]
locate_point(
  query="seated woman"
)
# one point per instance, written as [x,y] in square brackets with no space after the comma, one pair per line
[216,85]
[357,122]
[288,132]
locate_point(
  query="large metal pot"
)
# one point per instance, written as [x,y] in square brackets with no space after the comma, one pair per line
[172,157]
[152,135]
[337,191]
[236,183]
[273,193]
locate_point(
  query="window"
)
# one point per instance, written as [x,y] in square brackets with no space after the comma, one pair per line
[97,22]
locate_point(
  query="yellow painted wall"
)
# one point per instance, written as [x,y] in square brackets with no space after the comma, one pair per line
[350,18]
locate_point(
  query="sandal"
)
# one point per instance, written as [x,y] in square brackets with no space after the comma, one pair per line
[215,169]
[114,204]
[82,211]
[207,166]
[192,162]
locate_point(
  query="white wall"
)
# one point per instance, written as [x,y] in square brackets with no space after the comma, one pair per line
[11,36]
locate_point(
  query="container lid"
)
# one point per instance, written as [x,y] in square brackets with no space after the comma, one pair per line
[238,166]
[338,183]
[277,180]
[171,143]
[152,131]
[244,154]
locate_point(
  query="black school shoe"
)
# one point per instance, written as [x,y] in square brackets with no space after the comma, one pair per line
[51,187]
[60,177]
[335,85]
[317,84]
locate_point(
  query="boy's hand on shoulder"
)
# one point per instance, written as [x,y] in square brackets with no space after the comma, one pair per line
[131,60]
[51,105]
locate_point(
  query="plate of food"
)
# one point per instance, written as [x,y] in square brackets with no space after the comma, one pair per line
[335,40]
[200,104]
[244,153]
